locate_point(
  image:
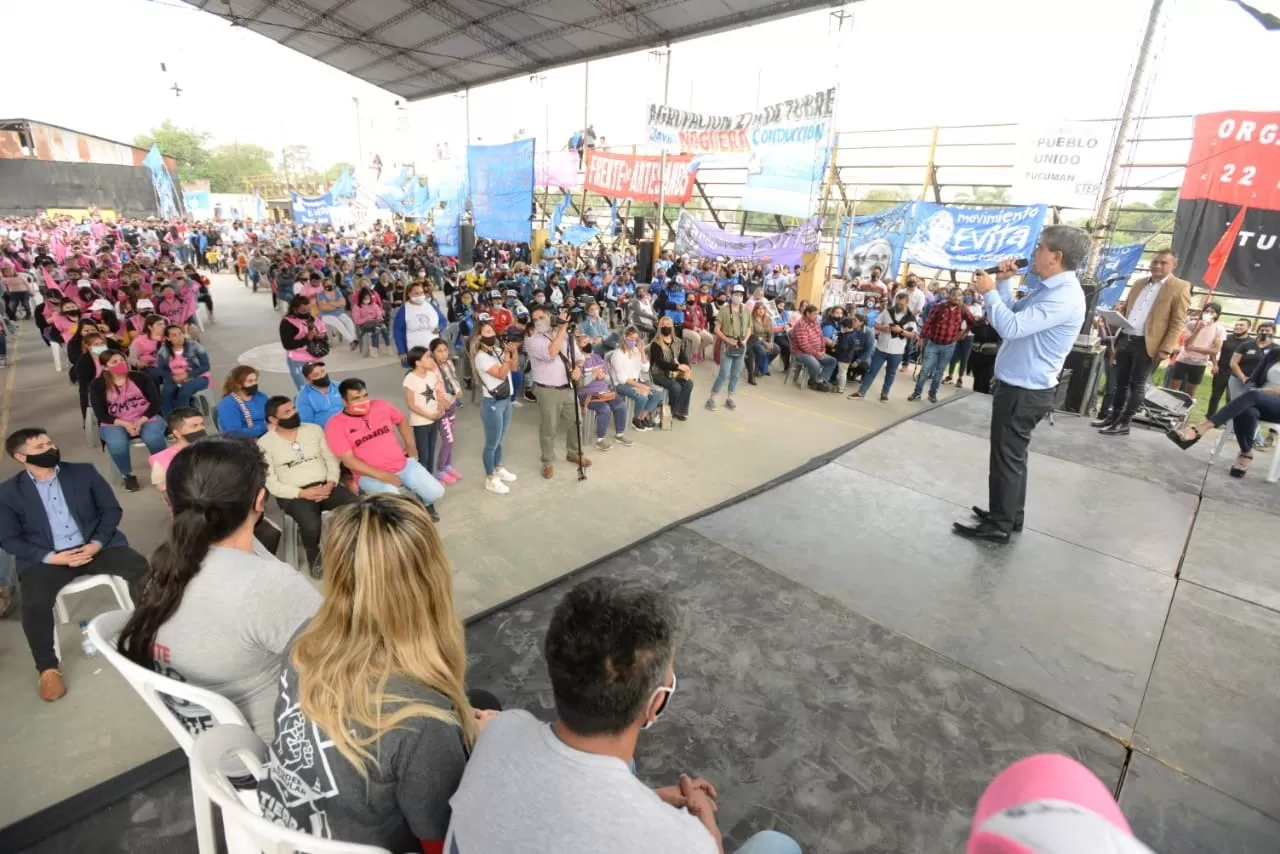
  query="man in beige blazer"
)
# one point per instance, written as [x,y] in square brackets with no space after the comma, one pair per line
[1157,307]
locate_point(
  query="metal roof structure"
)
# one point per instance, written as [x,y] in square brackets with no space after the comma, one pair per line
[423,48]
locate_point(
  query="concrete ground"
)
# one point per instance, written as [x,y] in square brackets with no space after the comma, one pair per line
[500,546]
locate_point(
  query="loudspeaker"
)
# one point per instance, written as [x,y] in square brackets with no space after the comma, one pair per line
[637,229]
[466,245]
[644,262]
[1085,363]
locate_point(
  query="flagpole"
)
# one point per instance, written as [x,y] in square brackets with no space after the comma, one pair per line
[1106,201]
[662,179]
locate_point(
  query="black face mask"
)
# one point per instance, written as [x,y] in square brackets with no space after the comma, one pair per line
[249,390]
[194,436]
[489,340]
[45,459]
[323,382]
[586,348]
[293,422]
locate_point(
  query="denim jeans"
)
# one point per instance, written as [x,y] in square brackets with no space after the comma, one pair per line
[254,277]
[960,359]
[730,369]
[424,436]
[820,370]
[117,440]
[769,842]
[495,415]
[879,360]
[936,358]
[414,477]
[295,373]
[602,409]
[763,354]
[173,396]
[646,404]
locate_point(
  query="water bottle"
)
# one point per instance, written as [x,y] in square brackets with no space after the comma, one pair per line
[86,643]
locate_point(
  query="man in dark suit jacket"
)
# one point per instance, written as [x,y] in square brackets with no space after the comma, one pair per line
[60,522]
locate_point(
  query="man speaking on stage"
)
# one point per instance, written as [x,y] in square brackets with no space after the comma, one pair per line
[1038,331]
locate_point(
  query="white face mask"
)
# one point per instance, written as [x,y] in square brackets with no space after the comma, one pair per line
[1209,317]
[417,300]
[736,299]
[542,325]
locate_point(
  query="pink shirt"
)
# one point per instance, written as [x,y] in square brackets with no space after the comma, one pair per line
[128,403]
[174,312]
[143,350]
[371,437]
[165,457]
[301,354]
[371,313]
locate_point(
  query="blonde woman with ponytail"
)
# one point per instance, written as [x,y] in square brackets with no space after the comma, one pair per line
[374,724]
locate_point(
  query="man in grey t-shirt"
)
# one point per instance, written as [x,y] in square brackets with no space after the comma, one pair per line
[531,788]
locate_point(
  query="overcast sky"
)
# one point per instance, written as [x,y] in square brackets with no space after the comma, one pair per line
[95,67]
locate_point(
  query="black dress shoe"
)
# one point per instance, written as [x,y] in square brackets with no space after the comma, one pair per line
[1120,428]
[984,515]
[984,531]
[1104,420]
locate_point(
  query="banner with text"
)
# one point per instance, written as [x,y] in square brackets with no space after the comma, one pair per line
[1115,265]
[784,147]
[953,237]
[701,240]
[874,240]
[312,210]
[1061,165]
[501,181]
[1234,163]
[639,177]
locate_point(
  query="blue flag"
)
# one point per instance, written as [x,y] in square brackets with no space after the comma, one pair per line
[954,237]
[576,235]
[874,239]
[501,180]
[558,214]
[345,186]
[613,218]
[1115,265]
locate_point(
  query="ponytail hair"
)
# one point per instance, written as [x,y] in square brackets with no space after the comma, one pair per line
[213,487]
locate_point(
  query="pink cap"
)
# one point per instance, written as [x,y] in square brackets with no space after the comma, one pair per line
[1049,785]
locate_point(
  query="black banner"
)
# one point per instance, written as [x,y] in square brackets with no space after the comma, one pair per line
[1253,267]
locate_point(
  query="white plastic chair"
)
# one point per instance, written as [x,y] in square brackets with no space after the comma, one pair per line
[118,586]
[209,786]
[91,429]
[1273,474]
[57,355]
[204,402]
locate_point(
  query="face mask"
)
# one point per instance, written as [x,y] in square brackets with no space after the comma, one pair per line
[968,300]
[361,408]
[489,340]
[323,382]
[98,349]
[194,436]
[737,299]
[305,311]
[632,342]
[542,325]
[1209,317]
[119,368]
[586,348]
[417,300]
[291,423]
[45,459]
[1264,338]
[249,390]
[666,330]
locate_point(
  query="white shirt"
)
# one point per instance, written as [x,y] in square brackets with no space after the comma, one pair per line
[420,324]
[627,367]
[1142,308]
[915,299]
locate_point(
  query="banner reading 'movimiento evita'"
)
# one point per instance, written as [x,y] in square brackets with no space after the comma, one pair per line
[1234,163]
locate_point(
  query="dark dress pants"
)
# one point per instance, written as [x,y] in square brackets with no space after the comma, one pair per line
[1015,412]
[307,514]
[42,581]
[1133,372]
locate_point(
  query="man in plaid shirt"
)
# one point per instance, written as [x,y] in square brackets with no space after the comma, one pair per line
[944,327]
[809,349]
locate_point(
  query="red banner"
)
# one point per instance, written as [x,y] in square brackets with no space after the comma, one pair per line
[639,177]
[1235,159]
[1228,220]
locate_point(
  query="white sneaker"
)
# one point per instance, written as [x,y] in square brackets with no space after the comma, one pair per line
[504,475]
[495,484]
[374,352]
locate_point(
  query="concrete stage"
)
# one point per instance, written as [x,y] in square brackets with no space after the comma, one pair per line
[853,674]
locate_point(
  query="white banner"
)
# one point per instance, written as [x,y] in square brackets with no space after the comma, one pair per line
[1061,165]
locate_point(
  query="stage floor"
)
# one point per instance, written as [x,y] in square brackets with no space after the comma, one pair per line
[853,674]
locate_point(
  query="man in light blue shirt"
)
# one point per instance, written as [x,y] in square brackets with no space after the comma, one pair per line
[1038,332]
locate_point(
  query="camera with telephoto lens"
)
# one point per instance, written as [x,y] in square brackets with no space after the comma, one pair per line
[575,315]
[513,334]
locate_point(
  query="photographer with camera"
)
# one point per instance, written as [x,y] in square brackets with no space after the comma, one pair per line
[896,326]
[556,366]
[733,328]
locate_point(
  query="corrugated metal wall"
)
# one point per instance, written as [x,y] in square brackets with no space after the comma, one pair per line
[36,184]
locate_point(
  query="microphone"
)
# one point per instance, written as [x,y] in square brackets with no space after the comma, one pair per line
[1021,263]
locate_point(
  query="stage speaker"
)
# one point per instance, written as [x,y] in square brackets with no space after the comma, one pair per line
[637,229]
[644,262]
[1084,362]
[466,245]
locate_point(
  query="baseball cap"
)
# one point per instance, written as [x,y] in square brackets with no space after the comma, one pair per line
[101,305]
[1046,804]
[738,289]
[144,303]
[311,366]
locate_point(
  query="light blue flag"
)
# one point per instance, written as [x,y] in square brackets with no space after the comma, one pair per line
[613,218]
[558,214]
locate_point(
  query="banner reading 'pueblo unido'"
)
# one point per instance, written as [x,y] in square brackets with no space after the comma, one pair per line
[639,177]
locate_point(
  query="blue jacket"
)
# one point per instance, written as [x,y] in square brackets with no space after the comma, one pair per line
[855,346]
[401,335]
[196,355]
[230,418]
[316,406]
[24,525]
